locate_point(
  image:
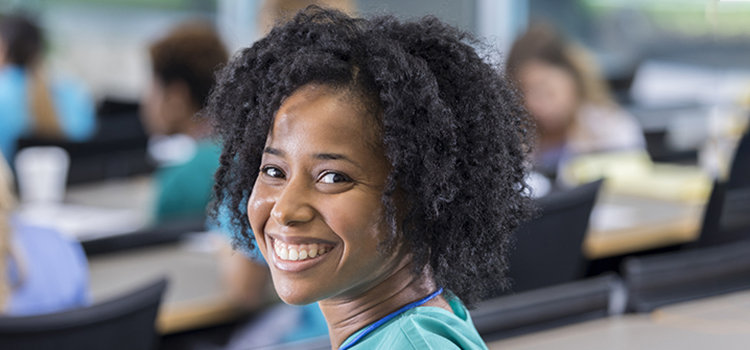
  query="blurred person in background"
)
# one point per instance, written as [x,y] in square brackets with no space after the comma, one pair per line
[573,107]
[183,64]
[31,103]
[40,271]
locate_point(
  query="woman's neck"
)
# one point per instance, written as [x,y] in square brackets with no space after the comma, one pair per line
[345,317]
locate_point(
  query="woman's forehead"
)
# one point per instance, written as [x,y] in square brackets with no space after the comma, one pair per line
[326,117]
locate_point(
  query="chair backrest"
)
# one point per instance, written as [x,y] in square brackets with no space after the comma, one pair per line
[710,229]
[123,323]
[725,218]
[548,248]
[118,149]
[549,307]
[662,279]
[163,233]
[739,175]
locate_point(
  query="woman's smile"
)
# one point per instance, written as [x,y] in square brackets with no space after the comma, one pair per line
[317,205]
[297,257]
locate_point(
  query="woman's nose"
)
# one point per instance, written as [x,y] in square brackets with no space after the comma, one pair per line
[292,206]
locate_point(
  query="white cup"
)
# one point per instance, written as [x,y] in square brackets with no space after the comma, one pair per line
[42,174]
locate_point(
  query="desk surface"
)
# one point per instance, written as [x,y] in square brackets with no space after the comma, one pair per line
[194,296]
[624,224]
[716,323]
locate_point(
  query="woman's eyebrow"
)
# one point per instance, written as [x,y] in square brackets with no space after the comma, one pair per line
[335,156]
[274,151]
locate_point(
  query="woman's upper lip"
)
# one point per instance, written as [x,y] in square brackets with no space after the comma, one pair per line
[297,239]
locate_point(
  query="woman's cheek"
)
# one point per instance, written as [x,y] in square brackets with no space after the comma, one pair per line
[259,207]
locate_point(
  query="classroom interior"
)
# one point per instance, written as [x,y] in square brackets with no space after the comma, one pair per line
[638,248]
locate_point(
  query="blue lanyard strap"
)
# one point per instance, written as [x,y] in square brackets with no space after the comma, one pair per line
[383,320]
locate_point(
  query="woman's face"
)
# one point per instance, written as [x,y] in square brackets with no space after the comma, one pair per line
[316,207]
[551,95]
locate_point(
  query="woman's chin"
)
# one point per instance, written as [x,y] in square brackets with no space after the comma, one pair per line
[295,295]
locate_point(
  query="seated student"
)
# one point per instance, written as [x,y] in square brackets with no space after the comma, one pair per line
[183,65]
[40,271]
[379,168]
[30,102]
[574,110]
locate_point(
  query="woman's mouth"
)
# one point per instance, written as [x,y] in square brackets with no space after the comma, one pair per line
[300,252]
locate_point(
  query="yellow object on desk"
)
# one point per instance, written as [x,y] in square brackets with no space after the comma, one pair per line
[632,173]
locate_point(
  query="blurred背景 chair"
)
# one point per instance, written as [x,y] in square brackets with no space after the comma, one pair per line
[550,307]
[657,280]
[125,323]
[548,248]
[739,174]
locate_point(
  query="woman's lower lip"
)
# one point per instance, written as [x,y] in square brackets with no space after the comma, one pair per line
[293,266]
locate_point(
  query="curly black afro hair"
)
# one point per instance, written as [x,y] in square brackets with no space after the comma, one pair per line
[453,128]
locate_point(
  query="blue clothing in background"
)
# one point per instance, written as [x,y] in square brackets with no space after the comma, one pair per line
[73,105]
[48,272]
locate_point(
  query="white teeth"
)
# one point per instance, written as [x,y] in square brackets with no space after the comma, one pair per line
[298,252]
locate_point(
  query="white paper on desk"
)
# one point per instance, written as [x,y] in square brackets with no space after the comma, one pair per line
[668,83]
[608,217]
[82,222]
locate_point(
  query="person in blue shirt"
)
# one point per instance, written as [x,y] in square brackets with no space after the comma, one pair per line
[40,270]
[379,167]
[30,102]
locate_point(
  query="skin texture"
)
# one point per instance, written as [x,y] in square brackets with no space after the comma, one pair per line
[551,97]
[322,181]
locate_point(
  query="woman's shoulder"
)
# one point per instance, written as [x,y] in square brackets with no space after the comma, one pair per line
[428,327]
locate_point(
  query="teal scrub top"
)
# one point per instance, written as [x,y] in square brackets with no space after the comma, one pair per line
[185,189]
[424,327]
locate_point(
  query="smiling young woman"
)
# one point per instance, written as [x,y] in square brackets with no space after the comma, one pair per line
[378,166]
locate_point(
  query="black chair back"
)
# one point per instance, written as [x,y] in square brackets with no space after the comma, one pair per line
[118,149]
[739,175]
[550,307]
[125,323]
[725,219]
[164,233]
[658,280]
[548,248]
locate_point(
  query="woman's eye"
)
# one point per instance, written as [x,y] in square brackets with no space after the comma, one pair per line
[332,178]
[273,172]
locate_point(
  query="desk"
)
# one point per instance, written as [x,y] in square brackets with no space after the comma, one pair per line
[627,224]
[715,323]
[194,296]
